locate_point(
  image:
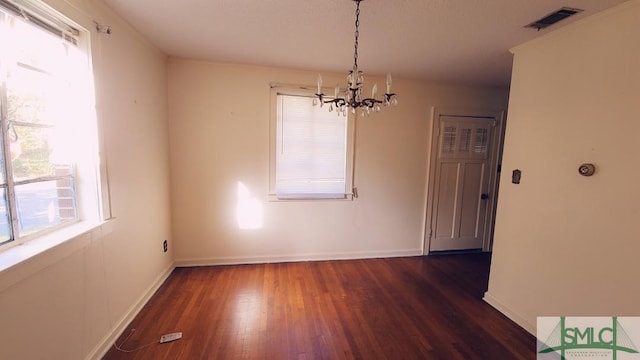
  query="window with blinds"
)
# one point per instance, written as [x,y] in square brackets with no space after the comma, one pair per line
[47,118]
[311,151]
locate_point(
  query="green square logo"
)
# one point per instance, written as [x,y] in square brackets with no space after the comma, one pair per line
[577,338]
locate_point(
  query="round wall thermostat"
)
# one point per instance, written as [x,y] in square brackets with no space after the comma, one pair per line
[587,169]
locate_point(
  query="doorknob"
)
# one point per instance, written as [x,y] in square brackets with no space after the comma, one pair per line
[484,196]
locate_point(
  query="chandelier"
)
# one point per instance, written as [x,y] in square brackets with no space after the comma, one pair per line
[353,98]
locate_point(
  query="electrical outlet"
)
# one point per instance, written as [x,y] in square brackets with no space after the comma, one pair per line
[165,246]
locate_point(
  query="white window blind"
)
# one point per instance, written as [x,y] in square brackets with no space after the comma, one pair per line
[311,150]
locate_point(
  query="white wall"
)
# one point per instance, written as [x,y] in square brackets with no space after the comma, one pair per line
[219,136]
[68,303]
[567,244]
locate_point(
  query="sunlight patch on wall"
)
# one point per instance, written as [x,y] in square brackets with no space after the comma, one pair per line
[249,210]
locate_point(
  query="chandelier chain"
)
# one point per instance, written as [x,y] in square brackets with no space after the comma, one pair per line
[357,34]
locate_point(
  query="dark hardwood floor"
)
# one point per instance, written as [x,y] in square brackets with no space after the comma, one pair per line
[398,308]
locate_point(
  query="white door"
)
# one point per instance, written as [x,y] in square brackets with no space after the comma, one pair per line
[462,176]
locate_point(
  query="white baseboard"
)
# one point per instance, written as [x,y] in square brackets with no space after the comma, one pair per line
[296,258]
[508,312]
[105,344]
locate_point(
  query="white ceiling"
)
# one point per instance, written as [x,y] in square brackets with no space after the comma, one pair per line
[460,41]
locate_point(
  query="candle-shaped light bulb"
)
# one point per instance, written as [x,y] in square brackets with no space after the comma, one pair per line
[374,90]
[389,80]
[337,90]
[319,84]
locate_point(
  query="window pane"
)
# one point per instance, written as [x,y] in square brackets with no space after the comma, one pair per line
[465,139]
[482,140]
[45,204]
[36,157]
[34,97]
[5,230]
[449,139]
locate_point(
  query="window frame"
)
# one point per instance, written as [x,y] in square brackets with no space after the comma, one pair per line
[88,174]
[305,91]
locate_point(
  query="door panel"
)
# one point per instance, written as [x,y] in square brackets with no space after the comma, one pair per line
[471,209]
[449,174]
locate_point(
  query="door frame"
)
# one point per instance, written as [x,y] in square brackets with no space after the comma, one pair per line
[495,156]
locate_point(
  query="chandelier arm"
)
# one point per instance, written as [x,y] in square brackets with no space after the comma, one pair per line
[337,101]
[370,102]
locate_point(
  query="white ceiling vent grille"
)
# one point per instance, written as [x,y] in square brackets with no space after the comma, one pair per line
[553,18]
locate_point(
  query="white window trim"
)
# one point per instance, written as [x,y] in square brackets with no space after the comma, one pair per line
[300,90]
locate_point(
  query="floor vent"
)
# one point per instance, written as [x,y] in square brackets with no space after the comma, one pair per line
[553,18]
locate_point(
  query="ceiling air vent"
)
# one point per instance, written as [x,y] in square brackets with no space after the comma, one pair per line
[553,18]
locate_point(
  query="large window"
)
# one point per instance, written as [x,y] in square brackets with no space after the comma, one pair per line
[47,128]
[311,149]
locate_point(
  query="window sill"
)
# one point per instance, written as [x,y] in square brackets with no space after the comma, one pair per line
[23,260]
[346,197]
